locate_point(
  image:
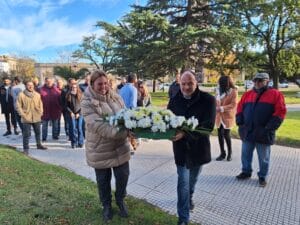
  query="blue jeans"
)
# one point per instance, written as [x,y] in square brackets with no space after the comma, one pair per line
[55,129]
[187,179]
[75,130]
[263,153]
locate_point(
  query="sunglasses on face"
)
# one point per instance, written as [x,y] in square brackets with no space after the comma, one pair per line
[258,80]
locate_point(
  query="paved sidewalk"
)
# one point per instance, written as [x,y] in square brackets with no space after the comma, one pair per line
[220,199]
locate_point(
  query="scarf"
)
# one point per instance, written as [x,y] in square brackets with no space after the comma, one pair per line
[29,94]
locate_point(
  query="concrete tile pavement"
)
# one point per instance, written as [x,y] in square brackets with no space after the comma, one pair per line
[219,197]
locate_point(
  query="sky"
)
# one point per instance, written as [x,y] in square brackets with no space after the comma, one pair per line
[48,30]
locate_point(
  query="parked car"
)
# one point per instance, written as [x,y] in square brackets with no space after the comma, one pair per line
[248,84]
[164,86]
[283,85]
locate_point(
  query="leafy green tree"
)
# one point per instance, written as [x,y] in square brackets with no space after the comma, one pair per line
[271,24]
[66,72]
[98,50]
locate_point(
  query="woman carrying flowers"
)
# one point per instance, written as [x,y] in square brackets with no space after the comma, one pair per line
[107,147]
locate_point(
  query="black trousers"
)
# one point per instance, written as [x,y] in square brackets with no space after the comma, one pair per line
[224,134]
[103,177]
[27,133]
[18,120]
[10,118]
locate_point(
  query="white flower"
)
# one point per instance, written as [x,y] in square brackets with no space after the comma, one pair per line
[177,121]
[130,124]
[192,122]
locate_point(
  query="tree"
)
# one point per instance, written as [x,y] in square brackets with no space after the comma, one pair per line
[66,72]
[271,24]
[24,67]
[98,50]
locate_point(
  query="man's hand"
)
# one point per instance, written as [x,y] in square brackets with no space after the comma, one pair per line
[178,136]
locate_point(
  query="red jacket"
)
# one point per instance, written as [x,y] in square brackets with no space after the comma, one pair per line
[259,115]
[51,103]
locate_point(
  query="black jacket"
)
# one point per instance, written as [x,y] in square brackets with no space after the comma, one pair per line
[7,105]
[194,149]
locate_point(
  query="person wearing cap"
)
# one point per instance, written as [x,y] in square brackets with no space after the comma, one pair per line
[260,113]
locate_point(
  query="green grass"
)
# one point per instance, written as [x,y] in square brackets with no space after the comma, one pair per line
[288,134]
[290,97]
[32,192]
[161,98]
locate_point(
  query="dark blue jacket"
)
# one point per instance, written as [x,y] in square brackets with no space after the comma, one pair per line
[194,149]
[259,115]
[7,105]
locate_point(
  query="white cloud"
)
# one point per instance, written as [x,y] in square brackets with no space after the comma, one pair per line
[38,31]
[30,36]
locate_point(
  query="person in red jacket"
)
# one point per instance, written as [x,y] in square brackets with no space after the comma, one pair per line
[50,95]
[260,112]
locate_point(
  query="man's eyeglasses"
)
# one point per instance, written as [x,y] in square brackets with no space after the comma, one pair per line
[258,80]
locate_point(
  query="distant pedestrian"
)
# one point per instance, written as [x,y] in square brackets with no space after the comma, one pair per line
[60,85]
[17,88]
[144,97]
[51,108]
[7,106]
[260,113]
[65,90]
[174,87]
[30,107]
[129,92]
[36,83]
[75,118]
[122,84]
[226,100]
[86,83]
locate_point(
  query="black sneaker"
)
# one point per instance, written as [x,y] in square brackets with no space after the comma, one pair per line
[243,176]
[107,213]
[16,132]
[41,147]
[123,209]
[7,133]
[262,182]
[221,157]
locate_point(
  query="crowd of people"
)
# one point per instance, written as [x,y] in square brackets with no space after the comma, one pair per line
[258,115]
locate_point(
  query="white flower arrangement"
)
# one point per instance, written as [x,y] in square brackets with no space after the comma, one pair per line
[152,120]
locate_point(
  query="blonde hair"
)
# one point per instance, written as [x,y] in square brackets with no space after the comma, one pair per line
[146,91]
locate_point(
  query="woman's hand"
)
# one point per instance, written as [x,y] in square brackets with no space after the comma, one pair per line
[179,135]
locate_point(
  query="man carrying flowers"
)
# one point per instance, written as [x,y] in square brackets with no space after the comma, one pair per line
[191,149]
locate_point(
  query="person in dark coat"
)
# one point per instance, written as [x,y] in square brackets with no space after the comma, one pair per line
[174,87]
[64,91]
[73,98]
[191,150]
[7,106]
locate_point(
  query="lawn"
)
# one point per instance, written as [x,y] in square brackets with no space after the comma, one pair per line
[288,134]
[32,192]
[161,98]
